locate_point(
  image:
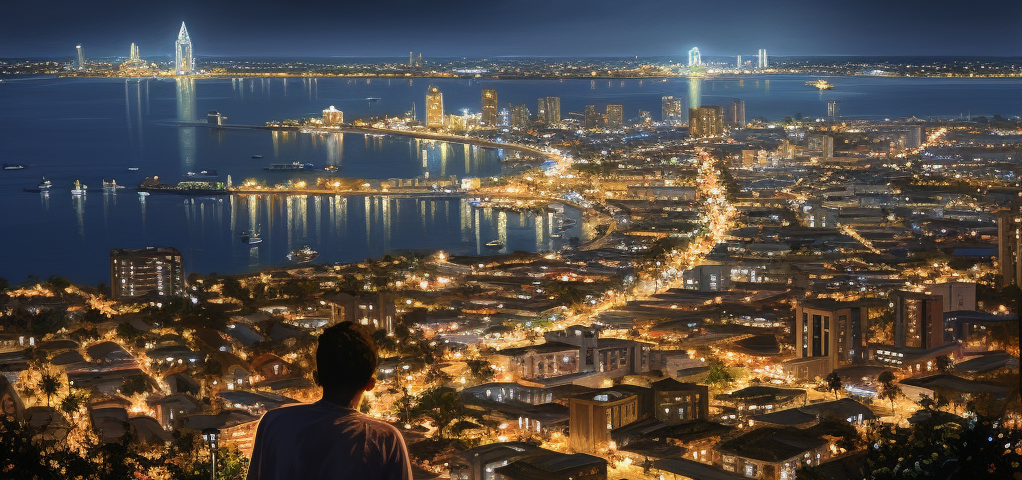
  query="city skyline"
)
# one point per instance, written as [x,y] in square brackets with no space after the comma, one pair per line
[791,28]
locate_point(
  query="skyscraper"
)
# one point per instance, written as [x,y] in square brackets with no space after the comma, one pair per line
[520,116]
[553,111]
[434,107]
[694,58]
[541,110]
[739,62]
[615,116]
[706,121]
[591,119]
[489,117]
[761,59]
[183,62]
[734,114]
[670,110]
[832,109]
[1007,251]
[81,57]
[140,271]
[918,320]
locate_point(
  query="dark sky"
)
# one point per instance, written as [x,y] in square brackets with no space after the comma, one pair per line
[514,27]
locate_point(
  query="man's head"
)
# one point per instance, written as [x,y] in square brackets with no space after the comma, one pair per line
[345,361]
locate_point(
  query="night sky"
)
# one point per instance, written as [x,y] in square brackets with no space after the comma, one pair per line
[486,28]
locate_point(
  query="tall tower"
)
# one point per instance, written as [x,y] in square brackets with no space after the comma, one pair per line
[489,118]
[81,57]
[183,64]
[761,58]
[694,58]
[553,111]
[833,109]
[434,107]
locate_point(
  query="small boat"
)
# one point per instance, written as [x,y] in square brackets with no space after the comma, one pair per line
[302,255]
[132,169]
[143,194]
[567,224]
[495,245]
[15,166]
[373,99]
[820,84]
[331,168]
[293,166]
[257,156]
[251,238]
[209,173]
[45,184]
[79,189]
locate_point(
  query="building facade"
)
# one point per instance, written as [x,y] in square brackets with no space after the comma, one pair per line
[489,116]
[434,107]
[615,116]
[138,272]
[184,63]
[706,121]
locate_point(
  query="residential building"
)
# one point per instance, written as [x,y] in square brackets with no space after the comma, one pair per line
[706,121]
[434,107]
[615,116]
[489,116]
[138,272]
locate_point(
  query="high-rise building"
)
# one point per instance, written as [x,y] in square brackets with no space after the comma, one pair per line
[333,116]
[694,58]
[411,60]
[706,121]
[553,111]
[738,63]
[520,116]
[918,320]
[833,111]
[828,328]
[592,120]
[142,271]
[1007,247]
[615,116]
[489,117]
[670,110]
[734,114]
[541,110]
[914,136]
[81,57]
[761,59]
[184,64]
[828,146]
[434,107]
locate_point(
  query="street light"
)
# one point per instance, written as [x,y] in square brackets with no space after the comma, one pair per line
[210,435]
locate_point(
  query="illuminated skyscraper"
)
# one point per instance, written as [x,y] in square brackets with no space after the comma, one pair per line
[694,58]
[333,116]
[142,271]
[81,57]
[489,117]
[541,110]
[705,121]
[434,107]
[832,109]
[615,116]
[591,119]
[553,110]
[670,110]
[183,62]
[761,58]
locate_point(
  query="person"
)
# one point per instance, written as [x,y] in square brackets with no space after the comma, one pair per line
[329,439]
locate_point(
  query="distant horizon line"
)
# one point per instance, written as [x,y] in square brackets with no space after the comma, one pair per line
[566,57]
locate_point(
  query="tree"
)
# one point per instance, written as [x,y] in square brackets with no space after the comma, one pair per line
[719,375]
[834,383]
[441,405]
[49,385]
[135,384]
[888,389]
[58,284]
[944,364]
[232,288]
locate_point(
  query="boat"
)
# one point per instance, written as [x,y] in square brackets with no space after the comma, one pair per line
[79,189]
[567,224]
[302,255]
[43,187]
[209,173]
[820,84]
[257,156]
[251,238]
[111,185]
[286,167]
[331,168]
[495,244]
[373,99]
[132,169]
[143,194]
[15,166]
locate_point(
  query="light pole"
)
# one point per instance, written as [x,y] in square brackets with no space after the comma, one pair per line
[211,436]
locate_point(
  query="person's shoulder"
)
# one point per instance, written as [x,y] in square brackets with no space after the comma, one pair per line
[289,411]
[377,426]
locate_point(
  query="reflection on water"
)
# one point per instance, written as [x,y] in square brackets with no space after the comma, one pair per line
[186,114]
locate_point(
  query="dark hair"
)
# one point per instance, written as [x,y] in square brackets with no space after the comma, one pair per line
[345,358]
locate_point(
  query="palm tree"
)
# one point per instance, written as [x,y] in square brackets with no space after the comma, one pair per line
[888,389]
[442,405]
[49,384]
[834,383]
